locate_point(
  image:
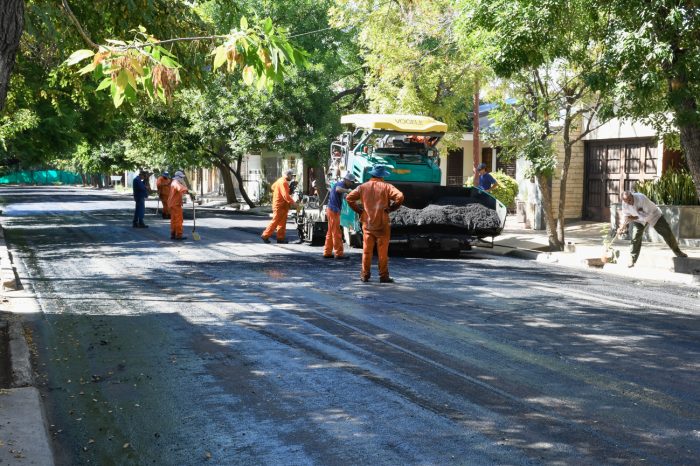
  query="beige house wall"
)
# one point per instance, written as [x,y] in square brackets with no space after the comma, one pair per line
[574,182]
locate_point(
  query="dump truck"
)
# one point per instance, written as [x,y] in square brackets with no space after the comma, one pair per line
[433,217]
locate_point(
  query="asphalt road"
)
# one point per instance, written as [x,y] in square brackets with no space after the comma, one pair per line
[231,351]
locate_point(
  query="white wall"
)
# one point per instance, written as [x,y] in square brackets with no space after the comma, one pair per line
[621,129]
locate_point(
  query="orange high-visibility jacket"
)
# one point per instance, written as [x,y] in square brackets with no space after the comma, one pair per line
[177,190]
[281,198]
[163,186]
[376,196]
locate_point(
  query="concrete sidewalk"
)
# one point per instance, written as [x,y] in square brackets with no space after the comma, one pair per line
[656,261]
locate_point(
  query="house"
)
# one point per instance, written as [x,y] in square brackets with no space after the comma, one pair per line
[607,161]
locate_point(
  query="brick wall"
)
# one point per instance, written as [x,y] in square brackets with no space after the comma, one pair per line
[575,179]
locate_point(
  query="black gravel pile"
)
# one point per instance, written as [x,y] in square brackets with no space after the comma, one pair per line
[471,216]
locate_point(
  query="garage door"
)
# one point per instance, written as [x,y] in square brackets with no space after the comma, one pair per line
[612,167]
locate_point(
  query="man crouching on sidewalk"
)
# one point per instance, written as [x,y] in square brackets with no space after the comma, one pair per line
[638,209]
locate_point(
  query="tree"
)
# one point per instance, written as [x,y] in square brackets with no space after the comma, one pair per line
[414,62]
[549,76]
[651,66]
[11,25]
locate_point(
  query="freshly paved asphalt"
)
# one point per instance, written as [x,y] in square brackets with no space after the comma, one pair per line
[231,351]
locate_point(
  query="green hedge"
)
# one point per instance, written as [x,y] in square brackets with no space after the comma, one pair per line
[675,187]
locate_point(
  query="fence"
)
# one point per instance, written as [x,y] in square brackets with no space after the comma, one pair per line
[41,177]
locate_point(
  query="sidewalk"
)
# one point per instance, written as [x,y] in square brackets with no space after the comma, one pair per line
[656,261]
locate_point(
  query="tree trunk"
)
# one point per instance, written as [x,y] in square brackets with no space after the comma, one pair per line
[229,188]
[690,138]
[562,182]
[11,25]
[690,142]
[321,188]
[237,173]
[543,182]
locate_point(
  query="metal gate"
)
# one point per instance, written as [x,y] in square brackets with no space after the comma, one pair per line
[612,167]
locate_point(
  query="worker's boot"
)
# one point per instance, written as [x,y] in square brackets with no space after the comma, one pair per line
[141,225]
[265,240]
[341,258]
[364,279]
[180,238]
[282,241]
[386,280]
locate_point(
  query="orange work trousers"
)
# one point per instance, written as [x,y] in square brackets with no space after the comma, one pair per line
[279,223]
[381,240]
[176,221]
[164,202]
[334,239]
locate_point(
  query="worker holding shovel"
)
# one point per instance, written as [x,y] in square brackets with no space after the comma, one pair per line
[178,188]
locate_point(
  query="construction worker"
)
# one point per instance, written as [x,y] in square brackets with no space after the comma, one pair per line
[163,187]
[178,188]
[638,210]
[378,199]
[334,240]
[281,202]
[141,191]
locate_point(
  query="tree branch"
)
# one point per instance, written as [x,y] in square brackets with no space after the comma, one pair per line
[78,26]
[352,91]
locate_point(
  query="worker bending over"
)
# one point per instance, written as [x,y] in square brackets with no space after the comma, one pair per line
[378,198]
[163,187]
[334,239]
[638,210]
[178,188]
[281,202]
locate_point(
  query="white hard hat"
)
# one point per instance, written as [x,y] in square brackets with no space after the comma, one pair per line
[179,174]
[350,177]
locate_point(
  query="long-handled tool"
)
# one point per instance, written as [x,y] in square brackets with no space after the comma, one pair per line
[195,235]
[157,205]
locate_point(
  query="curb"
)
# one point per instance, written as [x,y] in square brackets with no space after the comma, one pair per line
[576,262]
[24,431]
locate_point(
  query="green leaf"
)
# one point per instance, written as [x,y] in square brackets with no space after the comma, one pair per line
[132,80]
[244,23]
[106,82]
[267,25]
[220,57]
[248,75]
[169,62]
[122,81]
[86,69]
[78,56]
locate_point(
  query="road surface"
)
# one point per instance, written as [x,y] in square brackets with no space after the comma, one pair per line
[231,351]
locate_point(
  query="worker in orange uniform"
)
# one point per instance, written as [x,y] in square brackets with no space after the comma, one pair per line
[334,240]
[163,187]
[378,199]
[281,202]
[178,188]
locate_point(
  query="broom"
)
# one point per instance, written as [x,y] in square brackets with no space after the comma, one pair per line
[195,235]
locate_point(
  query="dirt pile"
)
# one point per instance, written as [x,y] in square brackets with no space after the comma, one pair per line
[470,216]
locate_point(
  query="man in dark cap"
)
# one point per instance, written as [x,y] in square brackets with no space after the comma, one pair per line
[141,191]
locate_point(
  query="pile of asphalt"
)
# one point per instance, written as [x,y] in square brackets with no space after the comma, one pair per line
[470,216]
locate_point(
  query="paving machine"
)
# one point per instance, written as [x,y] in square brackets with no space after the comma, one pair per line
[433,217]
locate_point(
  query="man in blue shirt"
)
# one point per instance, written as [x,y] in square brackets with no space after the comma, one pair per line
[140,194]
[334,240]
[486,181]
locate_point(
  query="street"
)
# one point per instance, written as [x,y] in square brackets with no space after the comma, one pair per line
[231,351]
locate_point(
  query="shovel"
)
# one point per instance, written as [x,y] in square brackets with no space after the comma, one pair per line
[195,235]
